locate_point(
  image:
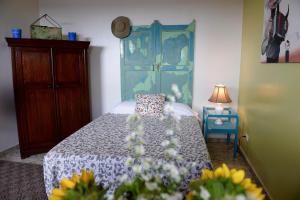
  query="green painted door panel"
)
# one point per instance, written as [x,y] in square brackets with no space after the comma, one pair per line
[137,60]
[155,57]
[138,51]
[182,79]
[139,82]
[175,51]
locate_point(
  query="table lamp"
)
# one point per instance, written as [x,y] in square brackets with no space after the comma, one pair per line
[220,95]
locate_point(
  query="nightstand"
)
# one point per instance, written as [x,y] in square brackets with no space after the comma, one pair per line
[230,120]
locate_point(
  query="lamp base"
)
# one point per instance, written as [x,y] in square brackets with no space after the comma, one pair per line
[219,109]
[218,122]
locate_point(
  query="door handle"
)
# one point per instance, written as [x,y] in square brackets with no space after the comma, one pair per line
[155,67]
[57,86]
[50,85]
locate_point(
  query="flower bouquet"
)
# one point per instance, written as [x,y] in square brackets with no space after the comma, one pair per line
[224,184]
[78,187]
[152,179]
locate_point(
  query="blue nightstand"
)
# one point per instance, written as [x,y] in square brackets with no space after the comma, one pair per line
[230,124]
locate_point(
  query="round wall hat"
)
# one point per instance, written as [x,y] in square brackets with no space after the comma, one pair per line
[120,27]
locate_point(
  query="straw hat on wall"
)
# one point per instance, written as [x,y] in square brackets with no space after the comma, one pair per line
[120,27]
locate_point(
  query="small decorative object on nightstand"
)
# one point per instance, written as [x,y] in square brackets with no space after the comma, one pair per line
[220,95]
[230,123]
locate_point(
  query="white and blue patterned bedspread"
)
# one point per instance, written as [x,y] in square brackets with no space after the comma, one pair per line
[100,146]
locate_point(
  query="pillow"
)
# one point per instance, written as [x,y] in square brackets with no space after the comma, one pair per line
[125,107]
[179,109]
[150,104]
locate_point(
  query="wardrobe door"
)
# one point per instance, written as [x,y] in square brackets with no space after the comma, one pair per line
[35,99]
[138,62]
[71,87]
[176,59]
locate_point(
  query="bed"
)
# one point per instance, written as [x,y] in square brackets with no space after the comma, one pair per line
[100,146]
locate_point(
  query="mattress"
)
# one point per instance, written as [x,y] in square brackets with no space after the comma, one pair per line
[100,146]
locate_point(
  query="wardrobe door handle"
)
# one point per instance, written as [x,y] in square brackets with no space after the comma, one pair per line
[153,67]
[57,86]
[50,85]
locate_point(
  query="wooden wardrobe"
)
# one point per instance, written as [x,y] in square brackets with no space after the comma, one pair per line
[51,91]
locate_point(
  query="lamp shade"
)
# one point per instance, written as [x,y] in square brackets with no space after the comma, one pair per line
[220,95]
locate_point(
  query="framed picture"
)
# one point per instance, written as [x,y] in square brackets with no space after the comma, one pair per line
[281,32]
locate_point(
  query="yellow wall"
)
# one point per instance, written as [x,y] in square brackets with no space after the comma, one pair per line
[269,105]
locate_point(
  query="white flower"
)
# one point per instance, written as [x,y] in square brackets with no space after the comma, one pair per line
[171,98]
[173,171]
[129,146]
[133,118]
[176,117]
[129,162]
[179,157]
[137,169]
[169,132]
[140,130]
[176,177]
[165,196]
[194,164]
[133,135]
[240,197]
[165,143]
[175,196]
[176,91]
[204,193]
[145,164]
[183,171]
[251,196]
[146,177]
[174,88]
[174,141]
[124,178]
[151,186]
[128,138]
[162,117]
[149,160]
[171,152]
[169,108]
[141,197]
[110,197]
[139,150]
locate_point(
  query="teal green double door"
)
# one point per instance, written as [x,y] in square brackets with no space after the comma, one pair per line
[155,57]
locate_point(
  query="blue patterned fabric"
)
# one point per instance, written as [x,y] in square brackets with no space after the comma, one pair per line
[100,146]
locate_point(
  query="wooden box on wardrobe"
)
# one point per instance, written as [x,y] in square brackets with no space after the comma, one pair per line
[51,91]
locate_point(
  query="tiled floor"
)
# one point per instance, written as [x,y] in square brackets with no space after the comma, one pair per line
[220,152]
[13,154]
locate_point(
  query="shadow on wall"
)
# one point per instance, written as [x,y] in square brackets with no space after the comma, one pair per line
[7,105]
[95,80]
[8,123]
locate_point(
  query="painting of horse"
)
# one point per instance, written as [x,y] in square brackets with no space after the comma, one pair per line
[281,32]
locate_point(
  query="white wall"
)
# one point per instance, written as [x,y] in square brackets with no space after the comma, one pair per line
[13,14]
[217,48]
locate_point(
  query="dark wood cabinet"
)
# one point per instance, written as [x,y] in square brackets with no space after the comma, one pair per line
[51,91]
